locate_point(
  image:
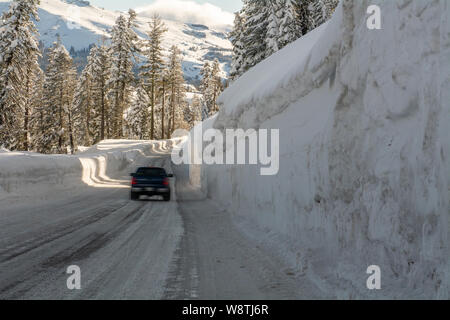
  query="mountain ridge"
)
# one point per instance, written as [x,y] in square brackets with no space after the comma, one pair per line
[80,25]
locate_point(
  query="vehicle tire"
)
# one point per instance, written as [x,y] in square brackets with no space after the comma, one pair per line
[167,197]
[134,196]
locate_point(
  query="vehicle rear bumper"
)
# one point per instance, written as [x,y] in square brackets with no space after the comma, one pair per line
[150,191]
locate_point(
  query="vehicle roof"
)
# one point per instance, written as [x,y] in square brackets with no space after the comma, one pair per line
[151,168]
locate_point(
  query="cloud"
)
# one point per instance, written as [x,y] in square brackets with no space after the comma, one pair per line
[188,12]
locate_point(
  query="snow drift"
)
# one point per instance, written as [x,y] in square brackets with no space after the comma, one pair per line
[365,156]
[32,175]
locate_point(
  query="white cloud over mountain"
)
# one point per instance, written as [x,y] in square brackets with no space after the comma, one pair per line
[189,11]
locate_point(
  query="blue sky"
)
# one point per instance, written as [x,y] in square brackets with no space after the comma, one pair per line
[228,5]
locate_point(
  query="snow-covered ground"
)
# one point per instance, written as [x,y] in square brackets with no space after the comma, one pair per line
[80,25]
[60,211]
[364,151]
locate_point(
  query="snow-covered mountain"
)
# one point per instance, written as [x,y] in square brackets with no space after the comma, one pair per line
[80,24]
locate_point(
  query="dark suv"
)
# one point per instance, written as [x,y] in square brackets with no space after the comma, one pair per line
[150,182]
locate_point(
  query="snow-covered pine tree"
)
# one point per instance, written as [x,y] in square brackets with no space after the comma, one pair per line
[330,6]
[33,88]
[138,115]
[275,10]
[237,39]
[313,13]
[57,125]
[204,88]
[216,86]
[303,13]
[163,89]
[19,53]
[123,46]
[289,23]
[256,21]
[154,64]
[211,88]
[101,74]
[83,102]
[176,84]
[263,27]
[317,13]
[36,100]
[194,112]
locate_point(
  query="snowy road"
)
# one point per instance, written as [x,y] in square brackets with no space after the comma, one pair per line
[133,250]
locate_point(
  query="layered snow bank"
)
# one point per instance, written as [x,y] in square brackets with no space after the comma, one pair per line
[32,175]
[365,168]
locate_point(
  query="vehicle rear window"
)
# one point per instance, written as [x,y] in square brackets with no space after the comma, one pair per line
[153,172]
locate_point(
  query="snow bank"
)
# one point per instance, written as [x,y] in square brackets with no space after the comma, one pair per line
[365,155]
[25,174]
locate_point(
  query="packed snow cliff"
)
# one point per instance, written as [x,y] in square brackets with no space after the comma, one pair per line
[364,119]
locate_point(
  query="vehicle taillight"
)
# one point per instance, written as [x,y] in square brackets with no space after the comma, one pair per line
[133,181]
[166,182]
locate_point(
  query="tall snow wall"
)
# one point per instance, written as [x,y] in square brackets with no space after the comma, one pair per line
[364,119]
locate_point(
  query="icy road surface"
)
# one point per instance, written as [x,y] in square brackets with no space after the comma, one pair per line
[133,250]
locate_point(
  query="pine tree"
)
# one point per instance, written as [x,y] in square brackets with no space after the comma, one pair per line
[33,88]
[58,114]
[204,89]
[175,79]
[313,13]
[101,71]
[163,86]
[273,34]
[303,14]
[237,38]
[194,112]
[255,27]
[19,52]
[152,69]
[36,102]
[330,7]
[216,86]
[84,101]
[263,27]
[123,46]
[138,114]
[317,13]
[290,23]
[211,88]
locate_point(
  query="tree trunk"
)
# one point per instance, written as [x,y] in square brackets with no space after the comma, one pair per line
[102,125]
[72,144]
[152,120]
[87,135]
[26,129]
[163,133]
[120,111]
[26,119]
[172,111]
[61,101]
